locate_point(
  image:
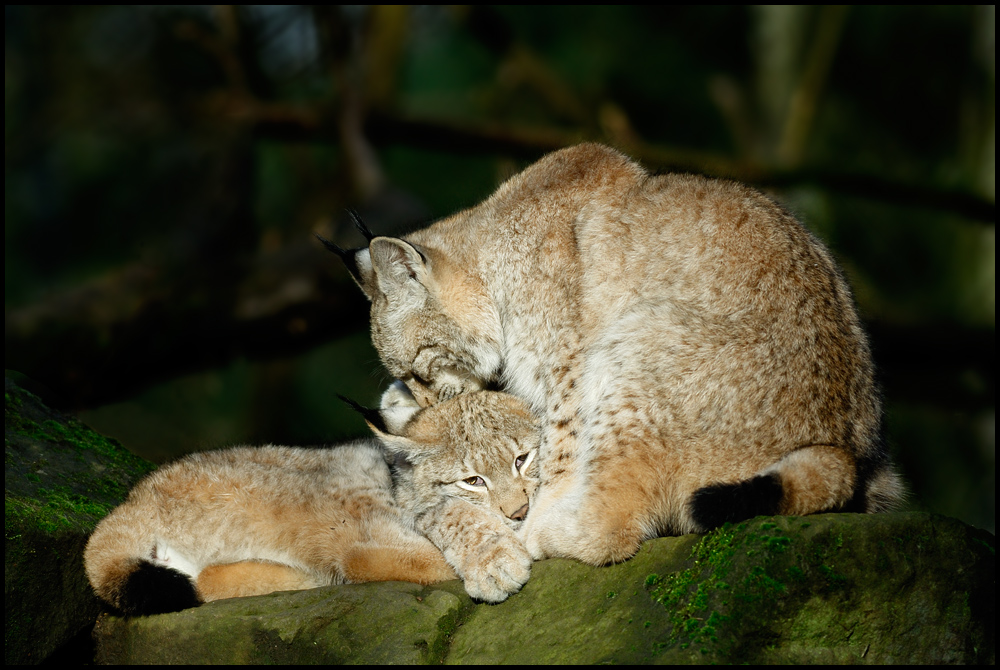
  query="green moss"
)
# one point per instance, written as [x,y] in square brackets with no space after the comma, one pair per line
[687,594]
[702,600]
[52,512]
[711,610]
[990,547]
[777,543]
[59,461]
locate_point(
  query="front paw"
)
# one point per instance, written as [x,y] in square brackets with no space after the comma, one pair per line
[498,570]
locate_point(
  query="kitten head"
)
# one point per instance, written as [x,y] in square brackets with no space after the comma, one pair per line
[481,447]
[432,322]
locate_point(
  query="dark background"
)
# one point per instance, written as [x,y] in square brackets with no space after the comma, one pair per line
[165,170]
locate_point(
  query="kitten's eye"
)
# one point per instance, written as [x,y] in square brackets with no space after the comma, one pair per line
[475,481]
[519,461]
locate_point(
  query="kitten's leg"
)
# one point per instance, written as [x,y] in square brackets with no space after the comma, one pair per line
[812,479]
[481,548]
[252,578]
[416,561]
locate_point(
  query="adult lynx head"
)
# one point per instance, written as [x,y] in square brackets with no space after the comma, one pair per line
[480,447]
[431,321]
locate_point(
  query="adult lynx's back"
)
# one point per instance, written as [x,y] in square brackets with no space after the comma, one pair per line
[694,351]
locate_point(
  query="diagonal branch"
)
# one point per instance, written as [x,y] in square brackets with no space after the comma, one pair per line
[528,143]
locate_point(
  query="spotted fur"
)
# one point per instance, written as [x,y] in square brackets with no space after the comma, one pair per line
[252,520]
[693,351]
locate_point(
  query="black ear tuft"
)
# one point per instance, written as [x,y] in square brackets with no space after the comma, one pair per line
[372,416]
[712,506]
[349,256]
[330,246]
[360,225]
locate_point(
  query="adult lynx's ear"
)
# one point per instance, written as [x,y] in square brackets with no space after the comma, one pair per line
[398,266]
[357,261]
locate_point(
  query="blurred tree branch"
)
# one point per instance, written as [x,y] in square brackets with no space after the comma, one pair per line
[111,337]
[365,118]
[804,99]
[524,142]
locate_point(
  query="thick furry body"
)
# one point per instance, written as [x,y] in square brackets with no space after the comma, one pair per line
[252,520]
[694,352]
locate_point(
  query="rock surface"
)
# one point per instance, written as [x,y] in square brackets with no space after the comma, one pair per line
[60,479]
[832,588]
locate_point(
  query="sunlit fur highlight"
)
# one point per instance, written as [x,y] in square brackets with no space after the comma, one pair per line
[252,520]
[673,333]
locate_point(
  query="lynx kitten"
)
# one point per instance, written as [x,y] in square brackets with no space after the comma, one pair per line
[248,521]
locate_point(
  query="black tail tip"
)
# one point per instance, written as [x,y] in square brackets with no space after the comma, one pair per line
[156,589]
[712,506]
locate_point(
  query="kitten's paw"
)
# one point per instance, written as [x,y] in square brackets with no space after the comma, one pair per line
[500,568]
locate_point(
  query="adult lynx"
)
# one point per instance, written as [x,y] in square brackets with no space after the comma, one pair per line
[248,521]
[694,352]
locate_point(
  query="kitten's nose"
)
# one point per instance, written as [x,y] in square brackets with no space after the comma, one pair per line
[520,513]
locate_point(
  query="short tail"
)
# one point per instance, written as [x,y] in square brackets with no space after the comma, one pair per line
[813,479]
[154,589]
[119,566]
[712,506]
[883,489]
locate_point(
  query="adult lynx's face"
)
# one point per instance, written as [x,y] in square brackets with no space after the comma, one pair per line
[432,323]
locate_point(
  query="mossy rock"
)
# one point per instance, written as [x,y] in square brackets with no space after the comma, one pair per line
[60,479]
[833,588]
[830,588]
[386,623]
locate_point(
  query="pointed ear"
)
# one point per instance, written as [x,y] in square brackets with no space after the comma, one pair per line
[389,423]
[398,265]
[398,407]
[357,262]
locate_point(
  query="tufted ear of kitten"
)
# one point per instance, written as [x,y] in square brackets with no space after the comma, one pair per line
[390,423]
